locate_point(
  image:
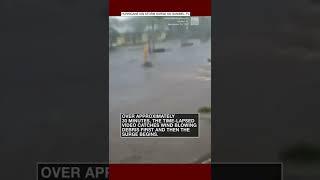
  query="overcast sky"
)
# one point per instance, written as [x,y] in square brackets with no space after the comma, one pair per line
[121,18]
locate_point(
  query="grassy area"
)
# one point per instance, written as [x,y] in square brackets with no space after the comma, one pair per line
[204,109]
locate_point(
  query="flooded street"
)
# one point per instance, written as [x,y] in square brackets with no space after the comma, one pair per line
[178,82]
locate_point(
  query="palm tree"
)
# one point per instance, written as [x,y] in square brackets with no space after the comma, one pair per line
[150,25]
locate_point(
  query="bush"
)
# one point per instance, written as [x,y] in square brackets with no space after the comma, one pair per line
[204,109]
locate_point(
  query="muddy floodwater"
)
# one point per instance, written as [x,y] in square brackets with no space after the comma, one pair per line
[178,82]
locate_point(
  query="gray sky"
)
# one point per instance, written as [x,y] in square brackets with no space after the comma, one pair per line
[121,18]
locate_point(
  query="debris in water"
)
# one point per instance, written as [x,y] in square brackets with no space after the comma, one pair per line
[147,64]
[184,44]
[158,50]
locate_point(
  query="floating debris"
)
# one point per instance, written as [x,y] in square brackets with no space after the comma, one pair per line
[184,44]
[147,64]
[158,50]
